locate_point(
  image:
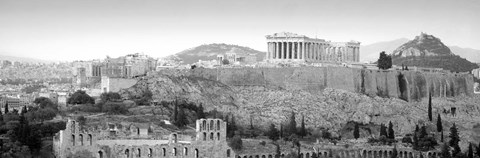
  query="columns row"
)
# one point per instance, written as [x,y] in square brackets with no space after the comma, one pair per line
[311,51]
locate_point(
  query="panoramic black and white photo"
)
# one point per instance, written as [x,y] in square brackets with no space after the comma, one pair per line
[239,79]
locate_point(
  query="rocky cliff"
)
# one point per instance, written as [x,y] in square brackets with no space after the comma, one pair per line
[407,85]
[271,97]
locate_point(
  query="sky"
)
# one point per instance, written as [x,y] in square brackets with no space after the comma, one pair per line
[93,29]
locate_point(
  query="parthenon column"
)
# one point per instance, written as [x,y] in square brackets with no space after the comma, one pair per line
[303,50]
[269,45]
[298,50]
[287,54]
[281,50]
[277,50]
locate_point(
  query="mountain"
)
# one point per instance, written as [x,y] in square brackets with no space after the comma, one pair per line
[470,54]
[371,52]
[210,52]
[23,59]
[429,51]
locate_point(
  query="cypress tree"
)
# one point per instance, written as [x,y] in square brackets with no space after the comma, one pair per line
[383,131]
[445,152]
[273,133]
[181,118]
[478,150]
[292,126]
[303,131]
[441,138]
[175,114]
[6,108]
[439,124]
[233,126]
[430,117]
[356,131]
[391,133]
[470,151]
[281,131]
[200,112]
[394,152]
[415,140]
[454,139]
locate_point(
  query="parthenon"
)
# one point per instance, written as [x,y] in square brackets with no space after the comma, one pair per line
[286,46]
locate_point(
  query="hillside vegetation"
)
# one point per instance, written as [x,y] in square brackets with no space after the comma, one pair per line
[210,52]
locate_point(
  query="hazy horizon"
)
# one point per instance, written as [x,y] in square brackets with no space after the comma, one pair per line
[92,29]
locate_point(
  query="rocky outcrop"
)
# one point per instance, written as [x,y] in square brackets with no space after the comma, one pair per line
[428,51]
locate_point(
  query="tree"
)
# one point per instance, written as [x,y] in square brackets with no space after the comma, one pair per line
[236,143]
[394,152]
[273,133]
[110,96]
[181,118]
[200,112]
[303,131]
[6,108]
[175,114]
[439,124]
[445,152]
[292,125]
[478,150]
[470,151]
[383,130]
[430,117]
[391,133]
[44,102]
[80,97]
[193,66]
[454,139]
[225,62]
[356,131]
[278,152]
[384,61]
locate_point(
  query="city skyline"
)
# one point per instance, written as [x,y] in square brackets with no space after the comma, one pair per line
[82,30]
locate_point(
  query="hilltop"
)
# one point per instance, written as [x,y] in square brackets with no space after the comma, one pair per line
[429,51]
[210,52]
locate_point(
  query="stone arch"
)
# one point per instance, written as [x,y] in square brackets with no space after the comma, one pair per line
[269,156]
[263,156]
[250,156]
[73,139]
[307,155]
[185,151]
[374,153]
[301,155]
[245,156]
[138,131]
[364,154]
[256,156]
[211,135]
[196,153]
[204,136]
[139,152]
[410,155]
[204,124]
[218,135]
[218,125]
[90,138]
[150,152]
[385,153]
[81,139]
[100,154]
[127,153]
[325,154]
[174,138]
[174,151]
[211,125]
[369,154]
[164,152]
[228,152]
[380,154]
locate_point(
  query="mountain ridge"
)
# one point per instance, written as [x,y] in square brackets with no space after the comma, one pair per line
[210,52]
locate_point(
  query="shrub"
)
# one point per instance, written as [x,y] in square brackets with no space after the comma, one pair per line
[80,97]
[236,143]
